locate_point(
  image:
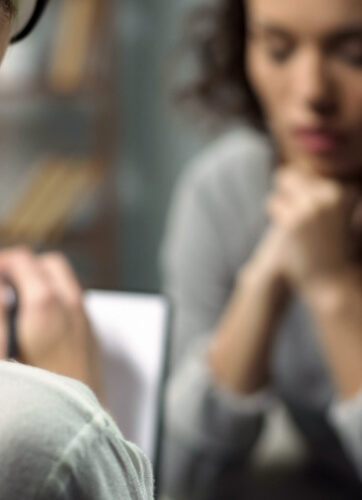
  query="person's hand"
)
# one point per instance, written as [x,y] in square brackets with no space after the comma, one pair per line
[314,216]
[268,259]
[52,328]
[240,352]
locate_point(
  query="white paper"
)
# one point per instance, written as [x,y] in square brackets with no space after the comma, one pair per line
[132,332]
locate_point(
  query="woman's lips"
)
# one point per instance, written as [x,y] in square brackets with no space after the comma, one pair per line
[321,141]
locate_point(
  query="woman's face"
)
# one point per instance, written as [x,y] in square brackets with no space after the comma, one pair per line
[304,62]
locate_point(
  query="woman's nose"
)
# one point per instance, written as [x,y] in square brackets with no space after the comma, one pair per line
[314,87]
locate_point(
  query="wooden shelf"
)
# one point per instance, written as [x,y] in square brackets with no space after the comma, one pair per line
[80,69]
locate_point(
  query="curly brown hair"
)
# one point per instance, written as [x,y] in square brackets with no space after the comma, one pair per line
[216,34]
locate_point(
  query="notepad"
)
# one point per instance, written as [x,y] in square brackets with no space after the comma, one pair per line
[132,333]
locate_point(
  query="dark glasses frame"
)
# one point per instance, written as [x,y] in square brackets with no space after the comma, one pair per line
[38,10]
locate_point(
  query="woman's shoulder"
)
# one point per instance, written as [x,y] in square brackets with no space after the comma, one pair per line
[239,159]
[220,198]
[230,176]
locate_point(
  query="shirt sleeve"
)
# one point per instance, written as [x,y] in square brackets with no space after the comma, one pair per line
[346,419]
[215,419]
[99,464]
[58,443]
[209,429]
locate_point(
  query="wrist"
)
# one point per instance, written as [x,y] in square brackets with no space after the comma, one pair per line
[266,279]
[243,340]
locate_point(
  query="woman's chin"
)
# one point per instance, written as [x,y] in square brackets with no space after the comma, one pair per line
[334,167]
[328,169]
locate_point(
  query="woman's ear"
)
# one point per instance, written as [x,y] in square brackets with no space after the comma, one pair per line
[27,16]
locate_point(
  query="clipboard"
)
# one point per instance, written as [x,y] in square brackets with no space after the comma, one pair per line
[133,334]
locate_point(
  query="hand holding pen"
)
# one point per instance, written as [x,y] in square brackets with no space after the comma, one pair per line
[47,326]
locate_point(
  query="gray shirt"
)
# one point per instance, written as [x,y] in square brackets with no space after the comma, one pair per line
[216,222]
[58,443]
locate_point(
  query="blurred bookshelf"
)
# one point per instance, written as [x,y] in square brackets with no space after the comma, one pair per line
[58,137]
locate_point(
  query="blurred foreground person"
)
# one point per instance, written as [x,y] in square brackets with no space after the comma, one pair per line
[263,255]
[56,441]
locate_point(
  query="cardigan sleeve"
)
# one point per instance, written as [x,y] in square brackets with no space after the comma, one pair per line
[210,235]
[346,419]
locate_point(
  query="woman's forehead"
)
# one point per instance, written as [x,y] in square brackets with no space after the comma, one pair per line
[319,17]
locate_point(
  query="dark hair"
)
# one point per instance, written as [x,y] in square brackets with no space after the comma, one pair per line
[9,8]
[216,34]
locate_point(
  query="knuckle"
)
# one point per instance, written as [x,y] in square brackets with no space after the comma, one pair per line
[76,301]
[303,218]
[22,253]
[44,299]
[56,259]
[294,223]
[305,214]
[284,177]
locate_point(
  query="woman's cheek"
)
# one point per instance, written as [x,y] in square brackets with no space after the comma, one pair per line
[269,85]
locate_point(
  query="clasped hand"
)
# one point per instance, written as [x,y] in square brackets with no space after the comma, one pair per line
[317,222]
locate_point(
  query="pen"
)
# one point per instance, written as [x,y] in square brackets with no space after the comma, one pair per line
[11,302]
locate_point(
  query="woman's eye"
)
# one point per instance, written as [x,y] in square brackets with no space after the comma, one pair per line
[279,54]
[351,52]
[278,49]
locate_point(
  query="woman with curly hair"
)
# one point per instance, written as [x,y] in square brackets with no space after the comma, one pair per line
[263,257]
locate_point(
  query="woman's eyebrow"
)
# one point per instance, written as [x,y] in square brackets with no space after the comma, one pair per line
[336,34]
[346,33]
[270,29]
